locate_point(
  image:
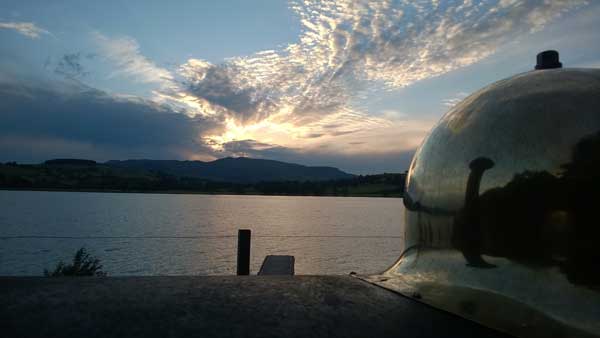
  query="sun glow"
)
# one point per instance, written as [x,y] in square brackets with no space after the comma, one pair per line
[266,131]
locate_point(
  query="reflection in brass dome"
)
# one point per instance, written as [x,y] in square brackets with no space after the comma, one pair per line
[502,206]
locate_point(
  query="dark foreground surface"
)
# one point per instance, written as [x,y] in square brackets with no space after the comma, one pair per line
[254,306]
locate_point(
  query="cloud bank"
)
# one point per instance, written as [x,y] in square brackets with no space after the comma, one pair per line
[65,120]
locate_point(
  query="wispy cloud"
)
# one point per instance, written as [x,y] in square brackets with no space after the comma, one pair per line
[70,66]
[400,42]
[29,29]
[347,49]
[453,101]
[124,53]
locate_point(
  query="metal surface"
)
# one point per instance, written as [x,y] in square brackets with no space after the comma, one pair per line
[213,306]
[502,204]
[547,60]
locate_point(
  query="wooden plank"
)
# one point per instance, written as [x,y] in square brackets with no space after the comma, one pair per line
[277,265]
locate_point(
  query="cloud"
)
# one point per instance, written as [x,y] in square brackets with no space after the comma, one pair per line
[453,101]
[350,48]
[29,29]
[363,163]
[124,53]
[218,89]
[251,148]
[54,120]
[400,42]
[70,66]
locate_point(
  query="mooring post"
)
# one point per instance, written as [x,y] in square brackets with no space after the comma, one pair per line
[243,252]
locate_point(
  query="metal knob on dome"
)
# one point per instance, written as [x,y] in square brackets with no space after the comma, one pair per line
[502,223]
[548,60]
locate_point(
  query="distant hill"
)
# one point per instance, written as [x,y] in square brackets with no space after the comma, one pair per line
[70,161]
[236,170]
[87,176]
[225,176]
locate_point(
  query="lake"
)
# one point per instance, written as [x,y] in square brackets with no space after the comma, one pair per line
[186,234]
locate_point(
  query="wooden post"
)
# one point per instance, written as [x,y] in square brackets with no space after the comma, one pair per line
[243,252]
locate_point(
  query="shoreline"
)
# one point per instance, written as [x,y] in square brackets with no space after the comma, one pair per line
[187,192]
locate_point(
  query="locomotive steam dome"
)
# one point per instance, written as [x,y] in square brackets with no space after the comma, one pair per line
[501,207]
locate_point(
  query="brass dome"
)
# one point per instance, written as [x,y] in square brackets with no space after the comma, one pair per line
[501,207]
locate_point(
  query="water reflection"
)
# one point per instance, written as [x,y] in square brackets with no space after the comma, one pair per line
[468,232]
[537,219]
[541,219]
[183,231]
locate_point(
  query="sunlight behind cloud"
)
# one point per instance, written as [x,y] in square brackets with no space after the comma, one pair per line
[348,82]
[347,48]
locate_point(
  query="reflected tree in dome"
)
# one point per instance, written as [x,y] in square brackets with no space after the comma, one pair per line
[538,218]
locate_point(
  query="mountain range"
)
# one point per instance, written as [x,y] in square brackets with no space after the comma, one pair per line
[236,170]
[224,176]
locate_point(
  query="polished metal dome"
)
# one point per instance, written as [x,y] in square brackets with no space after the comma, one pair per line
[502,203]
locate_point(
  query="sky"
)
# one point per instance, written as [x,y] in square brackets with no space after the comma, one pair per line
[351,84]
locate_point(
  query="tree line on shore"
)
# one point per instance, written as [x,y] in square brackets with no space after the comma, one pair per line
[102,178]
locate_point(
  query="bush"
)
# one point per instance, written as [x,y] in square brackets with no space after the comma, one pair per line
[83,265]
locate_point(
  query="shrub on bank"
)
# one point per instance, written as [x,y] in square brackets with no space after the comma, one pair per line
[83,265]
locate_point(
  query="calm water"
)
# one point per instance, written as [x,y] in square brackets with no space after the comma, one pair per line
[349,234]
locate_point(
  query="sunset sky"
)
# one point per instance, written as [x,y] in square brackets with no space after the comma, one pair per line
[351,84]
